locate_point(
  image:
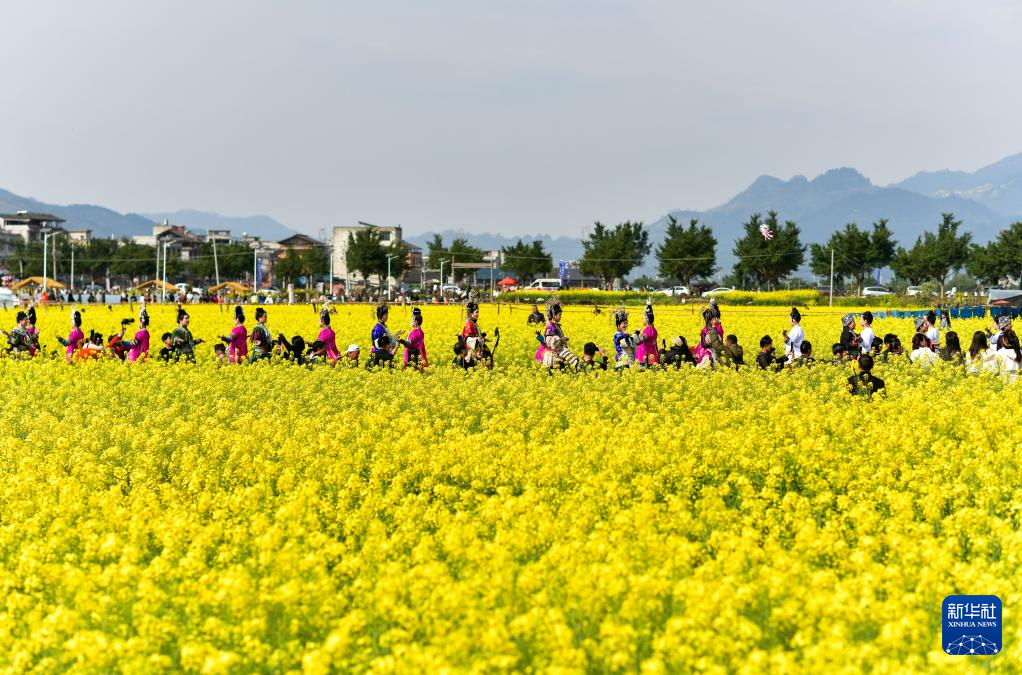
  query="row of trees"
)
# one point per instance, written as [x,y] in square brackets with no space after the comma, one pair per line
[689,252]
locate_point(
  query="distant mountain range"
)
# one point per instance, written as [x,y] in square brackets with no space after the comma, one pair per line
[986,200]
[106,222]
[998,186]
[102,221]
[840,196]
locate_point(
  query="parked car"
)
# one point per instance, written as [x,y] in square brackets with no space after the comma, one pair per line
[675,291]
[912,291]
[451,289]
[544,285]
[7,297]
[717,291]
[875,291]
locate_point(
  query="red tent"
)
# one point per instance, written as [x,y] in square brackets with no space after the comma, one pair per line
[507,281]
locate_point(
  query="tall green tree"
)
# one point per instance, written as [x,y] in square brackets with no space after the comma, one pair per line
[232,260]
[687,253]
[767,261]
[527,260]
[882,245]
[935,255]
[984,263]
[947,249]
[460,251]
[912,264]
[133,260]
[612,253]
[999,258]
[27,259]
[857,252]
[437,252]
[366,254]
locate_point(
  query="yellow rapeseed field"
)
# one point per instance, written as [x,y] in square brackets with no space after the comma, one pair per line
[281,518]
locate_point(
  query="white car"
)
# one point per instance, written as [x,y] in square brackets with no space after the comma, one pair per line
[717,291]
[675,291]
[7,297]
[544,285]
[912,291]
[875,291]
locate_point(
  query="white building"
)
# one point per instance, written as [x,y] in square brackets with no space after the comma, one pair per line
[389,236]
[30,226]
[80,236]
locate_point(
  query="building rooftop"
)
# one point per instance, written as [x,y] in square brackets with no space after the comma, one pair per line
[26,216]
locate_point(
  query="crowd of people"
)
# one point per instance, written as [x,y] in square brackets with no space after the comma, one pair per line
[993,351]
[996,350]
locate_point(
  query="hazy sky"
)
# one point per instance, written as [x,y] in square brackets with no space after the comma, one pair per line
[524,116]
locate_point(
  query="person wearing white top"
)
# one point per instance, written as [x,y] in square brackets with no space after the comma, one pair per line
[866,335]
[793,338]
[1002,324]
[921,352]
[924,325]
[980,358]
[1009,357]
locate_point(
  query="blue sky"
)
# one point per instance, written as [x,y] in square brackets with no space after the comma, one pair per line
[514,117]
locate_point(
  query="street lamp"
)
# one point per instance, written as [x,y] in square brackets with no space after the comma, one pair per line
[46,238]
[389,258]
[442,276]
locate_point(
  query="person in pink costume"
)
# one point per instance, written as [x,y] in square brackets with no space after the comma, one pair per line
[237,341]
[711,338]
[415,345]
[139,350]
[76,337]
[646,352]
[327,336]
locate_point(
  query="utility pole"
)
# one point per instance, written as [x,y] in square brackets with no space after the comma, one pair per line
[389,258]
[72,284]
[45,238]
[216,265]
[831,276]
[255,270]
[163,289]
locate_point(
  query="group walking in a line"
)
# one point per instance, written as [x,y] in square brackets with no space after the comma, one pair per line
[993,351]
